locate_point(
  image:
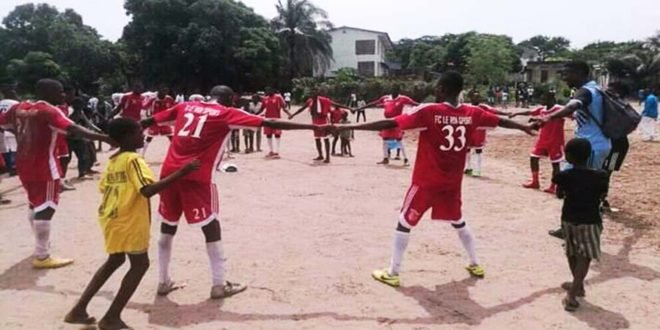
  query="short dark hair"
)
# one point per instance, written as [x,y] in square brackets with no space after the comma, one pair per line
[580,67]
[120,128]
[451,82]
[578,150]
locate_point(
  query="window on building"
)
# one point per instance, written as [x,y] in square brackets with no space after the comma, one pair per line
[544,76]
[367,69]
[365,47]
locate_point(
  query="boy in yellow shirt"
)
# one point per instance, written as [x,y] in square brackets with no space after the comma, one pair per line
[125,218]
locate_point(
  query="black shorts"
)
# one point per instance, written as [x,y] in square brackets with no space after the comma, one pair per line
[614,161]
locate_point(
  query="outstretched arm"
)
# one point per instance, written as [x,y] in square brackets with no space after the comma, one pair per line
[286,125]
[369,105]
[298,112]
[156,187]
[529,129]
[337,105]
[373,126]
[87,134]
[148,122]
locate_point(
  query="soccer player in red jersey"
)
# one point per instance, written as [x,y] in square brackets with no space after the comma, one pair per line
[550,142]
[393,104]
[477,141]
[336,116]
[274,104]
[131,104]
[319,106]
[438,173]
[36,126]
[201,131]
[156,105]
[62,151]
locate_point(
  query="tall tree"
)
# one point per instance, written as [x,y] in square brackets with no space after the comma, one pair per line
[302,28]
[490,59]
[546,46]
[31,68]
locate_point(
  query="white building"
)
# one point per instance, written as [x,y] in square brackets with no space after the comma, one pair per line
[360,49]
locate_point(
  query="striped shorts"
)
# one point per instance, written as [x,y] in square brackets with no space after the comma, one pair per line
[582,240]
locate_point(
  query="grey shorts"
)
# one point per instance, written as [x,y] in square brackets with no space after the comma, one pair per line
[582,240]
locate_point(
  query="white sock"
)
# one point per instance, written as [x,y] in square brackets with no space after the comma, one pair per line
[403,150]
[31,220]
[144,149]
[42,237]
[270,144]
[217,262]
[478,161]
[465,235]
[277,145]
[398,249]
[386,150]
[468,160]
[164,257]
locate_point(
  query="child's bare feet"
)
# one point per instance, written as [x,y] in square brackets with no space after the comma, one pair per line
[117,324]
[79,317]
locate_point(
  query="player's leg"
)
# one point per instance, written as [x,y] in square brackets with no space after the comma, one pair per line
[258,140]
[386,153]
[221,288]
[78,314]
[139,266]
[402,148]
[467,240]
[478,154]
[169,210]
[64,164]
[335,139]
[147,141]
[278,138]
[468,162]
[319,148]
[269,141]
[44,196]
[326,142]
[246,140]
[534,166]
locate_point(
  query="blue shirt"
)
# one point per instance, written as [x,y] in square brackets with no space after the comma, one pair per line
[592,101]
[651,107]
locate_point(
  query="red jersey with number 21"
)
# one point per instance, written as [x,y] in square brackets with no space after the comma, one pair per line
[443,141]
[200,132]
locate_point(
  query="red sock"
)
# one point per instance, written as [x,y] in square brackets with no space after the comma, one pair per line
[535,177]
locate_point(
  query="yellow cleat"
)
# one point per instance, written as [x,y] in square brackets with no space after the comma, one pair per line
[385,277]
[476,270]
[50,263]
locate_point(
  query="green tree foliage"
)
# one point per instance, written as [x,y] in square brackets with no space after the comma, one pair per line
[547,47]
[302,29]
[195,44]
[489,61]
[34,66]
[77,48]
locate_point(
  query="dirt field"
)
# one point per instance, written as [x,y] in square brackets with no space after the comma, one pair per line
[306,237]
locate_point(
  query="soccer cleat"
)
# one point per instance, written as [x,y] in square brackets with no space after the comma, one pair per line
[384,276]
[551,190]
[532,185]
[476,174]
[50,263]
[476,270]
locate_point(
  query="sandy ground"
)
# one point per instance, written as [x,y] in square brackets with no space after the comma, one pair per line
[306,237]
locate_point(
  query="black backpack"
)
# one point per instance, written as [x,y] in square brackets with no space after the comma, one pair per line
[619,118]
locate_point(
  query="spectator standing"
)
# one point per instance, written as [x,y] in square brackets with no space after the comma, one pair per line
[649,116]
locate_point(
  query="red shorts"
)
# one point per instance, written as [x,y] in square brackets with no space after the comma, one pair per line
[317,132]
[270,131]
[391,134]
[446,205]
[478,139]
[61,147]
[198,201]
[159,130]
[554,151]
[42,194]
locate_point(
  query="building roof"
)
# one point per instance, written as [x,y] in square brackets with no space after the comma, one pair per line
[384,35]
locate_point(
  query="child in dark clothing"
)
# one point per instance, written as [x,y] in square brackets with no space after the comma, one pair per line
[583,190]
[346,137]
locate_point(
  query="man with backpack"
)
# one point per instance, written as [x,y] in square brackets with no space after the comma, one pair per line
[587,105]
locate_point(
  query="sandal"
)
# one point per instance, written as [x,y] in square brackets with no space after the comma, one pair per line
[165,288]
[227,290]
[570,306]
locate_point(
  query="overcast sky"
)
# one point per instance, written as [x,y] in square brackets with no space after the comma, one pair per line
[581,21]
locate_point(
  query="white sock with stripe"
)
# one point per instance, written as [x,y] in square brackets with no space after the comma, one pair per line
[477,157]
[217,262]
[31,220]
[42,237]
[467,239]
[277,145]
[270,144]
[164,257]
[399,247]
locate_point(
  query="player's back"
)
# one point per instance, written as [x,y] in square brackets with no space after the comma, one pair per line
[443,141]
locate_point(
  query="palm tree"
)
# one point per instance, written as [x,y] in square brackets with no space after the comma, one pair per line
[302,29]
[641,64]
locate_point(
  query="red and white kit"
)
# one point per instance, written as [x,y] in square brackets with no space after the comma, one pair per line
[37,126]
[478,138]
[132,105]
[393,107]
[155,106]
[201,131]
[550,142]
[320,110]
[443,146]
[274,105]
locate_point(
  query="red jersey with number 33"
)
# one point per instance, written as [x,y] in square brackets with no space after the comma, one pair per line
[200,132]
[37,126]
[443,141]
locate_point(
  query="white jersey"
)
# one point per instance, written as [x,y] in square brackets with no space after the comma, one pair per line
[116,98]
[7,139]
[287,97]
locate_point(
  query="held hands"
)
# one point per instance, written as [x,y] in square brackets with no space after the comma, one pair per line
[190,167]
[530,129]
